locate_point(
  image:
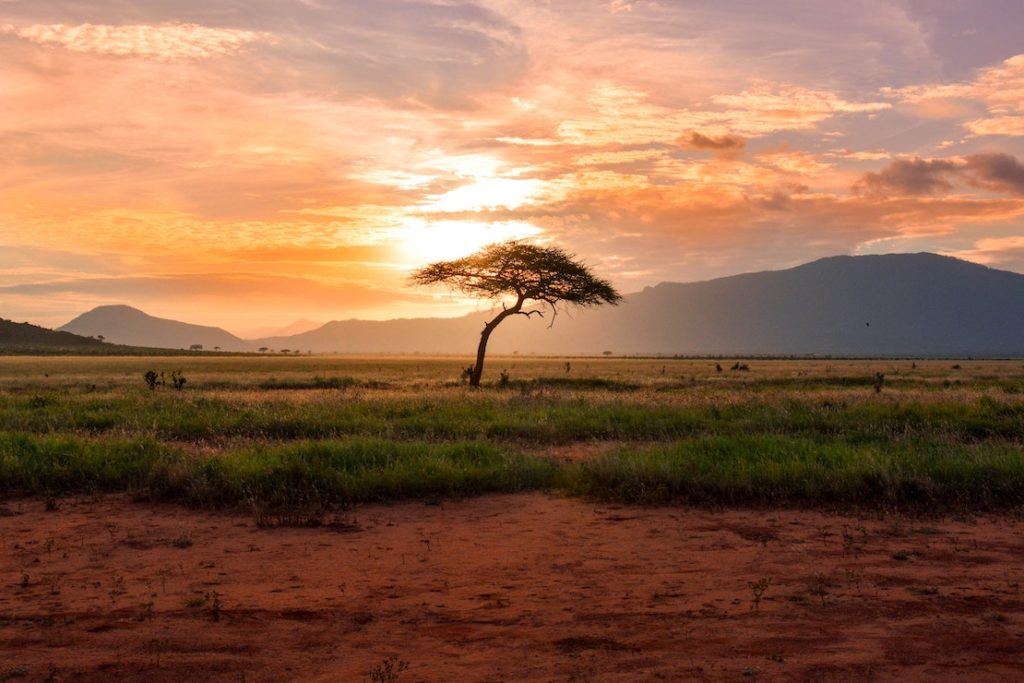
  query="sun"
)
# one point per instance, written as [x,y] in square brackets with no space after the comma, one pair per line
[424,241]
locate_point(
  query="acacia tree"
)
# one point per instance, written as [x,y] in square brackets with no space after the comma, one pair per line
[547,276]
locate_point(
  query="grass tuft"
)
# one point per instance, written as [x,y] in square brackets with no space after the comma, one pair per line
[776,470]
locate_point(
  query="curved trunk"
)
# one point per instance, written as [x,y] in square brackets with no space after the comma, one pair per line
[481,349]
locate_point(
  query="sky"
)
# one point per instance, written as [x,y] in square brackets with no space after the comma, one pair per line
[250,163]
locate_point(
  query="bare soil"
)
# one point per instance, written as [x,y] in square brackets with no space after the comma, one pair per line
[506,588]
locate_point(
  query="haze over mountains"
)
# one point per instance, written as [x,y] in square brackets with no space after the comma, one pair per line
[891,305]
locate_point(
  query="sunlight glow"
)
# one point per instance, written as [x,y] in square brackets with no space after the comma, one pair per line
[425,242]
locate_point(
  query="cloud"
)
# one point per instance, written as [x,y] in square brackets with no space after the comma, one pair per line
[1005,251]
[994,171]
[722,143]
[999,89]
[617,114]
[1000,172]
[165,42]
[910,177]
[216,285]
[337,143]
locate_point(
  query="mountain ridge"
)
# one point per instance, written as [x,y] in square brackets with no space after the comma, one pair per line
[920,304]
[127,325]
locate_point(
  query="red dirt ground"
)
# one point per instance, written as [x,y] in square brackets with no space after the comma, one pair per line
[506,588]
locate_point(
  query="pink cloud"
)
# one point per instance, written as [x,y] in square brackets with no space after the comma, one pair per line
[165,42]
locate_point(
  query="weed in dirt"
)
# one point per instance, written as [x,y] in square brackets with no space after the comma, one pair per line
[214,605]
[758,588]
[183,541]
[819,586]
[196,601]
[13,673]
[389,670]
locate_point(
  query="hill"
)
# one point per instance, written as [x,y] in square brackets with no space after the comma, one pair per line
[19,337]
[887,305]
[132,327]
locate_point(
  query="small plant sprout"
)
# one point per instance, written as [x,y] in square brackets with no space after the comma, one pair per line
[758,589]
[819,585]
[389,670]
[214,605]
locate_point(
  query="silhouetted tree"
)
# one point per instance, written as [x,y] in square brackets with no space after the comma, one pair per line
[263,349]
[532,274]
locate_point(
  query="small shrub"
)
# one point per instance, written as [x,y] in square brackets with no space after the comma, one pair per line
[214,605]
[152,379]
[183,541]
[38,401]
[389,670]
[758,588]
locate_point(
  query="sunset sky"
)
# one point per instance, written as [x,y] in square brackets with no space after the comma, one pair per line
[247,163]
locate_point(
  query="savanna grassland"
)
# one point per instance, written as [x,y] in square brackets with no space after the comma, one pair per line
[343,518]
[936,435]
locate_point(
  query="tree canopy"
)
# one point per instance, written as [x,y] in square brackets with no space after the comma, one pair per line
[528,272]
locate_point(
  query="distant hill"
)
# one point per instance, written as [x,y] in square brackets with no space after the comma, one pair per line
[891,305]
[18,337]
[132,327]
[297,327]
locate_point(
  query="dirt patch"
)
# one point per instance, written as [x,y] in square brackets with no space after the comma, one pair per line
[506,588]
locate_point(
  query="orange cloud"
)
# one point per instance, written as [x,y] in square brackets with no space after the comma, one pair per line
[1000,89]
[339,144]
[166,42]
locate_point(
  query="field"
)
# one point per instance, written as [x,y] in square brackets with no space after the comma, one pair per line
[582,518]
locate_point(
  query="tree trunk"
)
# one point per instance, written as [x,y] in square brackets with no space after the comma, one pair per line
[478,368]
[481,350]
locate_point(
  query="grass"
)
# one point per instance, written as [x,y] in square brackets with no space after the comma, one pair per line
[736,470]
[304,473]
[781,471]
[308,430]
[537,418]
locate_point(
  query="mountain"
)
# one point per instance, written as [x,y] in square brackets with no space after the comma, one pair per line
[130,326]
[888,305]
[24,337]
[297,327]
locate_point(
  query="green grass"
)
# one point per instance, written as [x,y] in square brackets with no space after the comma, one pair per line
[736,470]
[505,417]
[774,471]
[304,430]
[326,472]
